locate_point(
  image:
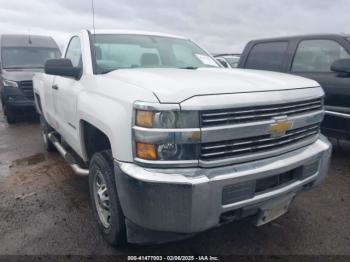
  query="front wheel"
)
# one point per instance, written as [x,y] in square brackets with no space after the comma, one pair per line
[105,201]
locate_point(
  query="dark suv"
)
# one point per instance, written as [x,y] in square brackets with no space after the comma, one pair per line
[324,58]
[21,57]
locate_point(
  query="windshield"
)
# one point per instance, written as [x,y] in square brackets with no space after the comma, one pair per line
[27,57]
[142,51]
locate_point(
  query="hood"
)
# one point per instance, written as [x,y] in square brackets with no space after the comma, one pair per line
[20,74]
[177,85]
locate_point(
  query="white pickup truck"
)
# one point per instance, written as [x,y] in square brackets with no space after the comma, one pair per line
[173,143]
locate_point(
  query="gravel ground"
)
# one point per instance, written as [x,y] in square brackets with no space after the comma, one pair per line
[45,209]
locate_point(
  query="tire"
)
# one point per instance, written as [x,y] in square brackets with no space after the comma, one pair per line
[9,114]
[108,213]
[45,130]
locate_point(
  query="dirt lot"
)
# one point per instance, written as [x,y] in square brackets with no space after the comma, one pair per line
[45,209]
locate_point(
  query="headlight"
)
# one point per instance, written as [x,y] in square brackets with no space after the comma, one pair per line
[167,119]
[9,83]
[167,151]
[177,152]
[167,136]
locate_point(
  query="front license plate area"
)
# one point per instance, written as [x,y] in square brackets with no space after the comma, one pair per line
[273,210]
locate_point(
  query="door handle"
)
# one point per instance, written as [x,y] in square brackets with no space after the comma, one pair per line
[55,87]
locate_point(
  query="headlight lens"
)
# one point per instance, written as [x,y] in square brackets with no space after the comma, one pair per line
[166,135]
[9,83]
[166,152]
[167,119]
[169,151]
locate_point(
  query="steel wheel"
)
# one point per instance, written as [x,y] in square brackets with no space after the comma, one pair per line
[102,199]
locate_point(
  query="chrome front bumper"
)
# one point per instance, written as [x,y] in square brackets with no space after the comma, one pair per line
[189,200]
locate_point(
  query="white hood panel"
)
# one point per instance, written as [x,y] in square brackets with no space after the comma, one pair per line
[177,85]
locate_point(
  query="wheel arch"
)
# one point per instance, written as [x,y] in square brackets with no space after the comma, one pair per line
[93,139]
[37,103]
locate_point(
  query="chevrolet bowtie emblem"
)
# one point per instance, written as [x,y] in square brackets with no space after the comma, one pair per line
[280,127]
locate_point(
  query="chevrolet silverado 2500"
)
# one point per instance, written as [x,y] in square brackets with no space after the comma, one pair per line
[173,143]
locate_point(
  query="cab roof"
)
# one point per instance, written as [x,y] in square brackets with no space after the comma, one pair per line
[301,36]
[132,32]
[27,41]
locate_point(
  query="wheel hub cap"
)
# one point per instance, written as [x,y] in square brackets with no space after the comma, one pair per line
[102,199]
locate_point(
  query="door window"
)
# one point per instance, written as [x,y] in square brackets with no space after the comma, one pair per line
[317,55]
[74,52]
[267,56]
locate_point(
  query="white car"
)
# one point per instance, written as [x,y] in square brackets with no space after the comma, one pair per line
[174,144]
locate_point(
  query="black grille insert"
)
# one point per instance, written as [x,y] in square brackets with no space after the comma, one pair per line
[245,190]
[248,189]
[272,182]
[258,113]
[251,145]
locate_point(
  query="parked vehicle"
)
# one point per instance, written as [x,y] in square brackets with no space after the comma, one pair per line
[21,57]
[228,60]
[172,143]
[324,58]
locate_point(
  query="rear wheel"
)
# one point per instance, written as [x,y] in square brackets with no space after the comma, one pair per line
[105,201]
[45,130]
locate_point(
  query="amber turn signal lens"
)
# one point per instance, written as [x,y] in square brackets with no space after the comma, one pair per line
[146,151]
[144,118]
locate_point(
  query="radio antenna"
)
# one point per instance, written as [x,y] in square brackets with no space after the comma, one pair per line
[93,28]
[93,15]
[29,38]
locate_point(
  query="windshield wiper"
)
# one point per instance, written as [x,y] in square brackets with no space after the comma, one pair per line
[106,71]
[188,67]
[14,67]
[24,67]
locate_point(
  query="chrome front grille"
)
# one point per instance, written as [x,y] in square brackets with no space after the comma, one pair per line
[259,113]
[27,88]
[253,145]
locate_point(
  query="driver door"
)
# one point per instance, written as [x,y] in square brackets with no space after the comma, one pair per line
[65,93]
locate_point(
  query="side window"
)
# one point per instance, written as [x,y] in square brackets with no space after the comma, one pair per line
[317,55]
[267,56]
[74,52]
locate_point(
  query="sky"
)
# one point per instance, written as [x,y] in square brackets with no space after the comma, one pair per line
[218,26]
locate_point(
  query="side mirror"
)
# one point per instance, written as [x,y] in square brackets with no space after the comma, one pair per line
[341,66]
[62,67]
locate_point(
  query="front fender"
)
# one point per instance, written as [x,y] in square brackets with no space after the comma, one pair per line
[108,105]
[106,115]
